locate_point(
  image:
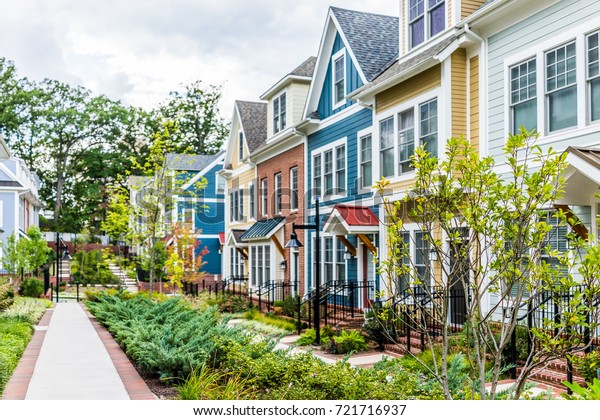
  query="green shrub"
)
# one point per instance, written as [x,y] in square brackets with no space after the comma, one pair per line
[7,296]
[588,365]
[207,384]
[380,325]
[278,304]
[270,319]
[27,309]
[309,336]
[592,392]
[14,337]
[347,342]
[92,268]
[32,287]
[290,308]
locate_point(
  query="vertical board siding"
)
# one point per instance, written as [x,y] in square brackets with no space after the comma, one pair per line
[469,6]
[298,93]
[474,101]
[409,89]
[540,27]
[459,93]
[353,82]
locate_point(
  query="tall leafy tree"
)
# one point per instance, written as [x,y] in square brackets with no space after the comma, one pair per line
[195,111]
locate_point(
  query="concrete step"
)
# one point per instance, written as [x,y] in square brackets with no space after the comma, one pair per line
[552,377]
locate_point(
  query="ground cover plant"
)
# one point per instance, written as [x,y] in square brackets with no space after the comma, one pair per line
[16,329]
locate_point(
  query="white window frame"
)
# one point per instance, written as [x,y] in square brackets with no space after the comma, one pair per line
[240,146]
[334,261]
[294,193]
[413,103]
[278,202]
[588,79]
[360,135]
[412,229]
[341,54]
[333,146]
[252,201]
[264,196]
[548,93]
[512,104]
[578,34]
[259,280]
[279,118]
[220,182]
[426,23]
[1,214]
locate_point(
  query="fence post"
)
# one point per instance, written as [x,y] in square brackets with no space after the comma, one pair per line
[77,287]
[529,326]
[351,297]
[203,284]
[259,299]
[513,354]
[408,332]
[299,317]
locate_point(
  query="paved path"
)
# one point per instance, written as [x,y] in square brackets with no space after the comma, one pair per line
[72,357]
[73,363]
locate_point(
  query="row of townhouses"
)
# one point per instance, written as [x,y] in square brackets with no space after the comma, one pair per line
[379,87]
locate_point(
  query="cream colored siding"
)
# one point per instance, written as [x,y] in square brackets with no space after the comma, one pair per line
[235,163]
[415,86]
[459,93]
[474,101]
[450,9]
[243,180]
[469,6]
[296,100]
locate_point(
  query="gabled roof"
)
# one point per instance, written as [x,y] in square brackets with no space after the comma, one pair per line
[345,219]
[253,118]
[183,162]
[373,38]
[305,69]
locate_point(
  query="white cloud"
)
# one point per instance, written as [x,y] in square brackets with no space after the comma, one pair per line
[139,50]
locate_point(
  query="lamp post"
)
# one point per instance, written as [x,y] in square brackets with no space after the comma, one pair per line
[295,244]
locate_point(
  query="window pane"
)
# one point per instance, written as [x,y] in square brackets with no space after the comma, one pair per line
[422,257]
[417,32]
[387,147]
[595,102]
[340,164]
[317,176]
[406,140]
[340,262]
[428,124]
[560,67]
[328,259]
[339,76]
[437,22]
[365,158]
[328,172]
[525,114]
[267,264]
[282,109]
[367,174]
[563,108]
[294,188]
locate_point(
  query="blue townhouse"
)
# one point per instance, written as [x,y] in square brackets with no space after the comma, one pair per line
[355,47]
[199,204]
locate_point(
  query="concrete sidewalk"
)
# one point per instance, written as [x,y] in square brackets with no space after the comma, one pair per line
[73,363]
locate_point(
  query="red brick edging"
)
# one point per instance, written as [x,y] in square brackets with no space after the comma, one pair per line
[17,386]
[134,384]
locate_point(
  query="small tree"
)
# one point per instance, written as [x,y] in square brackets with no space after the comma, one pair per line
[491,236]
[12,258]
[185,260]
[35,250]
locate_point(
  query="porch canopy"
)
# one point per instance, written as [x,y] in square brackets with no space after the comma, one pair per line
[234,239]
[264,230]
[352,220]
[582,175]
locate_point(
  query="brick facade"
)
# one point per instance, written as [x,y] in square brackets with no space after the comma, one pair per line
[283,163]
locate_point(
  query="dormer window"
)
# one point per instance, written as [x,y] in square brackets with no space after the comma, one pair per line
[426,18]
[241,146]
[339,78]
[279,109]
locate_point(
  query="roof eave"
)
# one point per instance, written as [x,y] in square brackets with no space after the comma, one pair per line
[290,78]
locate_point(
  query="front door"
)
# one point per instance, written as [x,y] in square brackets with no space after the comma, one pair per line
[368,280]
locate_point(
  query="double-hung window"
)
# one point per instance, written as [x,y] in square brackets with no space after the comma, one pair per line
[339,78]
[261,265]
[406,140]
[234,207]
[561,87]
[329,170]
[241,211]
[241,146]
[328,259]
[386,146]
[279,113]
[366,161]
[264,191]
[278,193]
[252,201]
[593,75]
[421,258]
[294,188]
[340,262]
[426,18]
[428,137]
[523,96]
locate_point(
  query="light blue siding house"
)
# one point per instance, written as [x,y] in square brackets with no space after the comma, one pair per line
[355,48]
[201,209]
[19,201]
[543,73]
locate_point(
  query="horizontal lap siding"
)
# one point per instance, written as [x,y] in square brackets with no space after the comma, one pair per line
[474,102]
[545,25]
[415,86]
[459,93]
[213,258]
[347,128]
[469,6]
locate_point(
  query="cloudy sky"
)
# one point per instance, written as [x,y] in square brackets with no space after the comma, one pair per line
[139,50]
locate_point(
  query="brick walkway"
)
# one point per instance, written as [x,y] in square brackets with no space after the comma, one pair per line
[70,357]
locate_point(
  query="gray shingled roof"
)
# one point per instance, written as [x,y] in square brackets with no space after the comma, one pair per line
[373,38]
[305,69]
[254,122]
[182,162]
[401,66]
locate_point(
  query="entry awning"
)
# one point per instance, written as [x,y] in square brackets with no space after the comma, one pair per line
[263,229]
[221,238]
[351,220]
[236,236]
[582,176]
